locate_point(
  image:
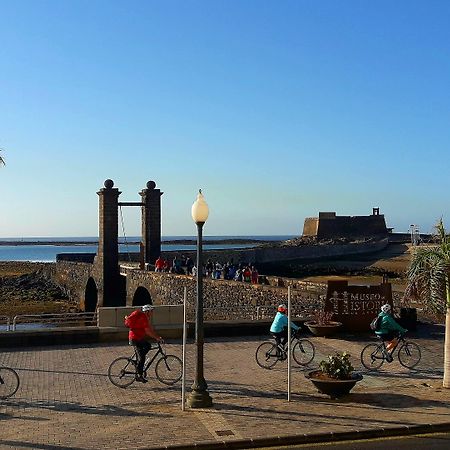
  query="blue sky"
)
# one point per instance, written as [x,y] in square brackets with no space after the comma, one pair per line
[276,109]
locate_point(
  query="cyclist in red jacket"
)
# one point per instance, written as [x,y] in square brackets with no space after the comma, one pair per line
[141,329]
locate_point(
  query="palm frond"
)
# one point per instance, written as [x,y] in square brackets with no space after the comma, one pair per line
[427,278]
[441,237]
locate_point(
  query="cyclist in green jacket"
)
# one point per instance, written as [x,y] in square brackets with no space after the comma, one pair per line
[389,328]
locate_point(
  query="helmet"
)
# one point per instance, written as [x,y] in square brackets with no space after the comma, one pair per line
[146,308]
[282,308]
[386,308]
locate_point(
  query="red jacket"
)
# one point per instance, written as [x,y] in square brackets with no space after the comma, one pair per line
[138,324]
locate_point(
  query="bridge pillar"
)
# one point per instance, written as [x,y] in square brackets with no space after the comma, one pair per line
[151,223]
[107,259]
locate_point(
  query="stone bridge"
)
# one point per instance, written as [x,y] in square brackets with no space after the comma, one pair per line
[223,299]
[101,281]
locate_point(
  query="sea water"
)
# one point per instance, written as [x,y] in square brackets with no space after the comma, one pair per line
[47,252]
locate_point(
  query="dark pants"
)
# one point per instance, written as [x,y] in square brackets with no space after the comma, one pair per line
[281,337]
[141,349]
[388,336]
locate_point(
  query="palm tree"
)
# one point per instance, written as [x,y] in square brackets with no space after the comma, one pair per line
[2,161]
[428,280]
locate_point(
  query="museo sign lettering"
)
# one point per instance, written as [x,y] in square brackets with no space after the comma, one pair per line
[356,306]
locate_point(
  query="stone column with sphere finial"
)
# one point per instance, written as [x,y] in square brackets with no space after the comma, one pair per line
[151,222]
[107,259]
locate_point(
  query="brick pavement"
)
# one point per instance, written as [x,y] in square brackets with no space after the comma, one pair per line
[66,400]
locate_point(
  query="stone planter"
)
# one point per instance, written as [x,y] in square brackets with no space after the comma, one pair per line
[331,386]
[323,330]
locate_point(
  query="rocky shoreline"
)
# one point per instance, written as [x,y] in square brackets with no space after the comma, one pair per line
[25,289]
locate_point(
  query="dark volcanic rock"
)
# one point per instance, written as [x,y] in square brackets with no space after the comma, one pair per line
[34,286]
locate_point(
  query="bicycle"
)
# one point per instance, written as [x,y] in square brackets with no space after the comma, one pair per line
[122,371]
[269,352]
[374,355]
[9,382]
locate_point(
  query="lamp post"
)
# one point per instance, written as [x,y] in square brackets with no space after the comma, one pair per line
[199,396]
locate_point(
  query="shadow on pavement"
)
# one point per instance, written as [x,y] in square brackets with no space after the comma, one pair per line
[26,369]
[392,401]
[411,375]
[61,406]
[287,415]
[33,445]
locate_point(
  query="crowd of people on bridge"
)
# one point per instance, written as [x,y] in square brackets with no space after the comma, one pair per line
[211,269]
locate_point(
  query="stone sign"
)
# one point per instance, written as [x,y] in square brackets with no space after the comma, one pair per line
[356,306]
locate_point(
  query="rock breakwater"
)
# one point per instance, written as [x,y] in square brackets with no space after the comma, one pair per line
[26,289]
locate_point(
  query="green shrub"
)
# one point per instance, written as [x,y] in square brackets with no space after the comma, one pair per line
[337,366]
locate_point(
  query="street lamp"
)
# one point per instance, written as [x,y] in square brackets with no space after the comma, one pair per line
[199,396]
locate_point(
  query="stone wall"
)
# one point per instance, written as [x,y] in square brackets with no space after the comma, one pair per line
[358,226]
[256,255]
[331,226]
[223,299]
[276,254]
[310,226]
[76,257]
[73,278]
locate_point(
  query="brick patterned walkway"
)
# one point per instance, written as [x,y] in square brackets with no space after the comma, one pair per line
[66,400]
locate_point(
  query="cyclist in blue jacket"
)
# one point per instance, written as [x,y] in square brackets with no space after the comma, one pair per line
[279,325]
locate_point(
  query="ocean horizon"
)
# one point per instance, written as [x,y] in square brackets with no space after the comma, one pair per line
[47,252]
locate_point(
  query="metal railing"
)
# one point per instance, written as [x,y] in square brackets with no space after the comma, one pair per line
[55,320]
[6,321]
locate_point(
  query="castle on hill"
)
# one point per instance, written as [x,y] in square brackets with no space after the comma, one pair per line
[330,226]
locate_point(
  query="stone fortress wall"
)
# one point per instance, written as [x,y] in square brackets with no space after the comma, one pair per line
[330,226]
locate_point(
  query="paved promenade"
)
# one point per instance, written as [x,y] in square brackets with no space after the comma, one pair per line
[66,400]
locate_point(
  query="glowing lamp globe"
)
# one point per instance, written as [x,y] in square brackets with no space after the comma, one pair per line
[200,210]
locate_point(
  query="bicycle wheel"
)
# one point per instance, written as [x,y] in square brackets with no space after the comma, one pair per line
[409,355]
[266,355]
[168,369]
[122,372]
[303,352]
[372,357]
[9,382]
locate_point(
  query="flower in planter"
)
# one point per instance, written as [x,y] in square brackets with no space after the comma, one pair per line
[322,318]
[322,325]
[337,366]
